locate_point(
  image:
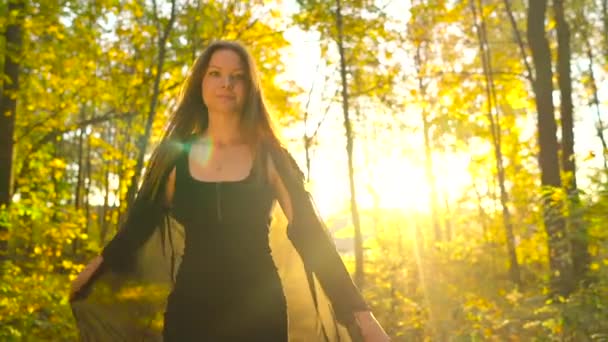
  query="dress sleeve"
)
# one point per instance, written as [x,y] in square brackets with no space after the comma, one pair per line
[316,247]
[143,217]
[141,221]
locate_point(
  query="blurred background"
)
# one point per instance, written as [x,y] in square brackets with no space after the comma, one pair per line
[456,149]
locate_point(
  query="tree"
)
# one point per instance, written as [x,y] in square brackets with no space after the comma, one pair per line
[361,75]
[578,229]
[9,87]
[493,112]
[600,126]
[605,22]
[428,145]
[419,33]
[359,275]
[555,224]
[142,144]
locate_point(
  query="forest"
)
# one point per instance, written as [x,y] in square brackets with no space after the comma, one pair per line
[455,148]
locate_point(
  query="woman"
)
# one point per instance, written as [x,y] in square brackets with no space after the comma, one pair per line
[218,171]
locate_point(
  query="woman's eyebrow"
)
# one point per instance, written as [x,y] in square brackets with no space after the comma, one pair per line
[217,67]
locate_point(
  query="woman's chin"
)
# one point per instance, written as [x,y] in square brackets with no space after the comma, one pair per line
[226,110]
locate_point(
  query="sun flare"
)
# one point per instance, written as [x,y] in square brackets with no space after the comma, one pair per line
[389,183]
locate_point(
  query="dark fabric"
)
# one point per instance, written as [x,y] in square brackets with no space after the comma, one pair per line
[236,277]
[310,237]
[227,287]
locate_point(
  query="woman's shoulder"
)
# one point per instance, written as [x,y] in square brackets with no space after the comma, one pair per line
[283,160]
[174,146]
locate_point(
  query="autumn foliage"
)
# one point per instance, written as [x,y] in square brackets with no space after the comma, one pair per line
[485,233]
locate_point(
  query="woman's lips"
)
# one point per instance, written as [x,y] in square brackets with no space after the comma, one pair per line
[226,97]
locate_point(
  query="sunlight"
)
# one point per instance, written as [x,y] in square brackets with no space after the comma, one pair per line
[398,184]
[392,182]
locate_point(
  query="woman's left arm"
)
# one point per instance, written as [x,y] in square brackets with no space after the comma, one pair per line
[333,275]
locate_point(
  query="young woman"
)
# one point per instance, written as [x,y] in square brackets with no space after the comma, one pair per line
[218,170]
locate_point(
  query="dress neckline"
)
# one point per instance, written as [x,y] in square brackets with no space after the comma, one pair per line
[227,181]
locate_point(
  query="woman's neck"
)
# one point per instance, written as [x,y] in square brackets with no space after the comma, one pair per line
[224,130]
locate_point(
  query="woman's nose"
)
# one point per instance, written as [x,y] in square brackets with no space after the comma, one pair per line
[228,82]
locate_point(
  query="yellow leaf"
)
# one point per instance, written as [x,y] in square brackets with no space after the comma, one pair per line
[590,155]
[57,163]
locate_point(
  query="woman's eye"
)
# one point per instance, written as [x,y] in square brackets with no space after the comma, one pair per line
[239,77]
[214,73]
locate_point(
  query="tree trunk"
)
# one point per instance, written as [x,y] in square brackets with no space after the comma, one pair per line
[123,140]
[600,127]
[449,233]
[494,118]
[428,151]
[107,212]
[565,88]
[80,175]
[359,262]
[577,226]
[555,225]
[87,186]
[103,217]
[520,41]
[605,22]
[145,137]
[308,139]
[483,216]
[8,106]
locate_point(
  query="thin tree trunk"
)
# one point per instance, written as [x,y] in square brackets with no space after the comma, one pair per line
[494,118]
[359,262]
[577,226]
[307,139]
[428,148]
[520,41]
[555,225]
[79,177]
[449,233]
[87,186]
[124,141]
[605,22]
[9,88]
[600,126]
[145,137]
[483,217]
[310,138]
[565,88]
[195,39]
[103,231]
[108,211]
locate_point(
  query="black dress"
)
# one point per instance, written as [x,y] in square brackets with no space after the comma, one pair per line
[227,287]
[202,270]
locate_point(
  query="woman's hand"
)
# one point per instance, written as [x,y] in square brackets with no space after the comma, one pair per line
[84,276]
[370,328]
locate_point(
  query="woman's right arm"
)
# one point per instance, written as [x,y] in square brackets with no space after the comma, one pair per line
[138,227]
[140,224]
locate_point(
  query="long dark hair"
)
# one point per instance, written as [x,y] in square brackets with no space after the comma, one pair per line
[191,116]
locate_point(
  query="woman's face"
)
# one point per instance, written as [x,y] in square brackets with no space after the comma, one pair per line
[225,83]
